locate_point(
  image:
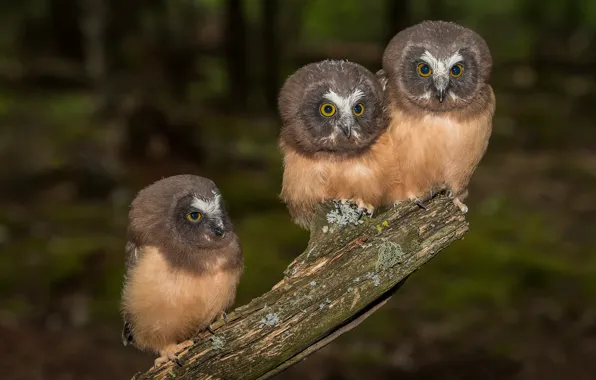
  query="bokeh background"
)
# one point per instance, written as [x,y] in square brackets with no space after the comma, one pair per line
[100,98]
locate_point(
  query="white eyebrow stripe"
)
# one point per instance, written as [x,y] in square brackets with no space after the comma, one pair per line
[441,67]
[455,58]
[435,64]
[344,104]
[210,207]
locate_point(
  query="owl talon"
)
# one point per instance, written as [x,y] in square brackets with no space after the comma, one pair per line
[420,204]
[223,316]
[462,207]
[366,211]
[339,202]
[364,208]
[169,353]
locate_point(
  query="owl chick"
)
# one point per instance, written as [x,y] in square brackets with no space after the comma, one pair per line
[183,263]
[440,107]
[332,122]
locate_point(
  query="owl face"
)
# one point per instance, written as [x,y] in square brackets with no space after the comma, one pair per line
[331,106]
[181,215]
[200,219]
[438,65]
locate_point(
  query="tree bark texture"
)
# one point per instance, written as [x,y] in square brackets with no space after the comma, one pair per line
[349,269]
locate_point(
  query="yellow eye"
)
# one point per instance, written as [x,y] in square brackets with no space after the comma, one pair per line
[424,70]
[193,216]
[358,109]
[327,109]
[457,70]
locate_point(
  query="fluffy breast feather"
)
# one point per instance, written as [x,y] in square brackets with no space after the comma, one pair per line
[436,150]
[308,181]
[166,305]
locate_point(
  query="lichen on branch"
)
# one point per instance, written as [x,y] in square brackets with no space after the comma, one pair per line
[350,267]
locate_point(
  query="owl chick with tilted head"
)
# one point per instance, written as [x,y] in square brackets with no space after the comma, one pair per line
[440,106]
[331,138]
[183,264]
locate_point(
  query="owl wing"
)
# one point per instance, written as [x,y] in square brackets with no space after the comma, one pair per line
[132,254]
[382,77]
[127,337]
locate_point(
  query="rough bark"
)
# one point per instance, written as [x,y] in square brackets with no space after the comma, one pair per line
[343,276]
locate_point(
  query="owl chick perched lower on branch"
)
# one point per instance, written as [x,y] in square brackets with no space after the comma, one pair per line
[332,138]
[440,108]
[183,264]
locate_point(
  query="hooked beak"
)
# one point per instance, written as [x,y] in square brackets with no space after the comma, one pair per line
[346,128]
[440,94]
[218,230]
[441,84]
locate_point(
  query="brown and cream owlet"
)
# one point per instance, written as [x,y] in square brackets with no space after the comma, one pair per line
[183,264]
[440,107]
[330,139]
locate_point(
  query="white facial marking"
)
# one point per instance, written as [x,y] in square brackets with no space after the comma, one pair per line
[331,138]
[344,104]
[426,95]
[455,58]
[441,67]
[210,207]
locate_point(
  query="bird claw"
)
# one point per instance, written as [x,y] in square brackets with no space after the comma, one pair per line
[361,207]
[420,204]
[462,207]
[365,209]
[340,202]
[223,316]
[169,353]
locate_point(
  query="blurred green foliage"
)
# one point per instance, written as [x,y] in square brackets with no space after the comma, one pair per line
[68,173]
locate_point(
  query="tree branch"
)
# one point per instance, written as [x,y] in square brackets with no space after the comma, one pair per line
[345,274]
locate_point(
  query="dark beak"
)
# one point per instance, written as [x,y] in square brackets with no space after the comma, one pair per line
[218,230]
[440,94]
[441,84]
[346,128]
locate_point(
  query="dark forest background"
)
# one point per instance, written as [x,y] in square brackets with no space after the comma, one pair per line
[100,98]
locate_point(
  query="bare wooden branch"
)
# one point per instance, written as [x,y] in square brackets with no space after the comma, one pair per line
[345,274]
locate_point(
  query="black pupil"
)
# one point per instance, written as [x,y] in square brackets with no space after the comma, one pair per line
[424,69]
[358,108]
[455,70]
[194,215]
[328,109]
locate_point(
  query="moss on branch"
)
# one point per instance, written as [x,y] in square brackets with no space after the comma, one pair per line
[348,270]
